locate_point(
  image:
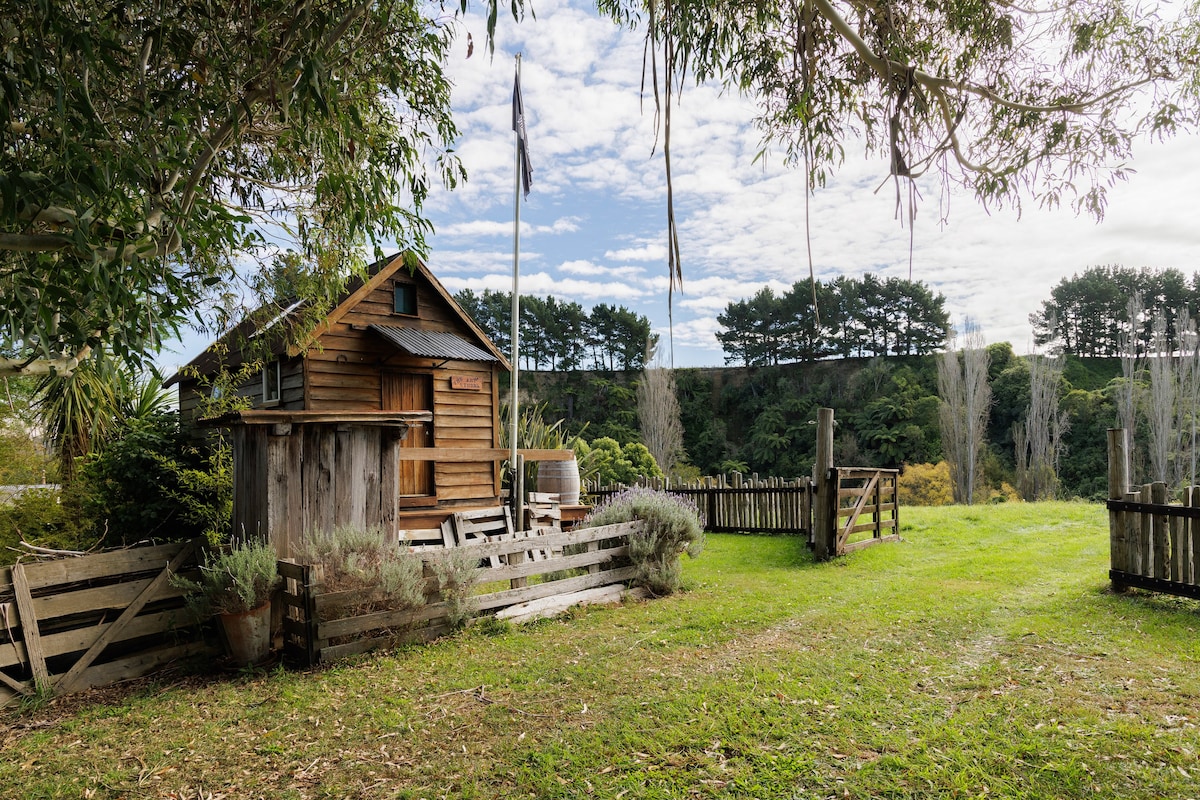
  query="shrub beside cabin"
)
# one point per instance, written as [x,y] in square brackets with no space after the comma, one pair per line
[345,429]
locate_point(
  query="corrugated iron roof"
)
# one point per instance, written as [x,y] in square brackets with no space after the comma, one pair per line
[433,344]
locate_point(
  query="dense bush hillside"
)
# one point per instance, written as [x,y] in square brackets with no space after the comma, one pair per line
[760,419]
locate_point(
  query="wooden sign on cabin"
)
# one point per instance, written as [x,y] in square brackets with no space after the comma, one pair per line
[396,341]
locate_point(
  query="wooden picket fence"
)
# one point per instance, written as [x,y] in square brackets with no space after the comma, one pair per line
[865,506]
[543,572]
[1154,544]
[74,623]
[737,503]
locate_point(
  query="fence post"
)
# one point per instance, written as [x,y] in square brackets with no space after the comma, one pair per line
[1162,555]
[1118,485]
[825,504]
[518,493]
[1193,558]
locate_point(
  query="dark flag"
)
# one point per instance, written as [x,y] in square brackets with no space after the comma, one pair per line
[522,141]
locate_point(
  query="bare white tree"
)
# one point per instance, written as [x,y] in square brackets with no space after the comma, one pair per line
[1160,406]
[1039,438]
[658,412]
[1131,364]
[1189,388]
[963,413]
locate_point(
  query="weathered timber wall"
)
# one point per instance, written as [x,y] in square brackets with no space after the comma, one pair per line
[297,478]
[345,369]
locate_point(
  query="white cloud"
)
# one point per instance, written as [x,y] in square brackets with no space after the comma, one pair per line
[651,251]
[540,284]
[483,227]
[601,192]
[596,270]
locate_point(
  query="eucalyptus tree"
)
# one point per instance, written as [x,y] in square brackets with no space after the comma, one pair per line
[145,146]
[1011,101]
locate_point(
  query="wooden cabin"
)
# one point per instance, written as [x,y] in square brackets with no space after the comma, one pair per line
[395,342]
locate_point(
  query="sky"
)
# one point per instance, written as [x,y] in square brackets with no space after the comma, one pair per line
[593,228]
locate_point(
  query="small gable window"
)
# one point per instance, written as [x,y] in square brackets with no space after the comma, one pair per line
[271,383]
[405,299]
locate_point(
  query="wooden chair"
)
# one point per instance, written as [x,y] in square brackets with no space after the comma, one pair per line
[483,525]
[420,539]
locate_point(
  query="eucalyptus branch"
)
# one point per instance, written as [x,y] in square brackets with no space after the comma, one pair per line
[63,365]
[290,188]
[887,68]
[34,242]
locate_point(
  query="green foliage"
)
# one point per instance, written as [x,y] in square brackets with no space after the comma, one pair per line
[856,317]
[925,485]
[1088,313]
[39,517]
[616,464]
[137,149]
[205,492]
[671,526]
[233,580]
[354,559]
[456,570]
[535,433]
[761,419]
[155,480]
[558,335]
[80,410]
[24,459]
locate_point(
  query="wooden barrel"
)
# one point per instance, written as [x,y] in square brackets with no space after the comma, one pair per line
[561,478]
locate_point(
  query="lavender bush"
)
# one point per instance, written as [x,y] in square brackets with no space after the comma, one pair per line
[672,526]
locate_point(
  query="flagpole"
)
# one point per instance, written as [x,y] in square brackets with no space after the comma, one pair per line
[516,307]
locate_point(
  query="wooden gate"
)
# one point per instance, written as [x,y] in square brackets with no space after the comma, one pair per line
[70,624]
[866,503]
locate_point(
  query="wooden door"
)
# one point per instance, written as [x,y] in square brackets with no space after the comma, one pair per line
[404,391]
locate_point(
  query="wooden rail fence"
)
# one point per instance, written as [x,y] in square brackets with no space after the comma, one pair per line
[1153,544]
[586,565]
[74,623]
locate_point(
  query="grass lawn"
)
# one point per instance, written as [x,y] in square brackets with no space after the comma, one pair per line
[982,657]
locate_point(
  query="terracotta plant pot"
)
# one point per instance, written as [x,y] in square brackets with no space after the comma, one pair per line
[248,635]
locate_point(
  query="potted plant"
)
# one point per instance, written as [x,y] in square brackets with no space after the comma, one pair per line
[236,585]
